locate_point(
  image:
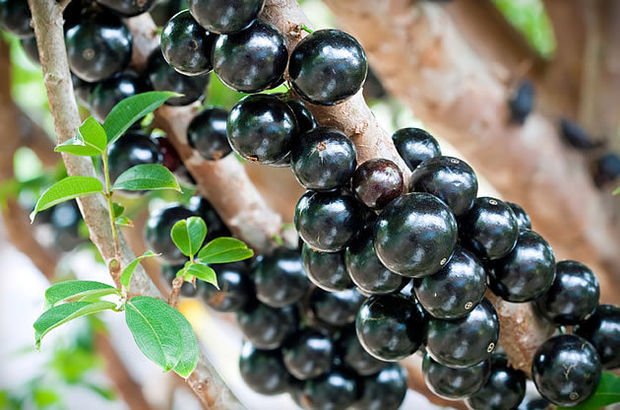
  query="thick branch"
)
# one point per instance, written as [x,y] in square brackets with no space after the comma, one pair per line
[48,21]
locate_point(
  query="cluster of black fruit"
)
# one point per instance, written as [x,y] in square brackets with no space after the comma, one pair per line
[63,221]
[410,266]
[605,166]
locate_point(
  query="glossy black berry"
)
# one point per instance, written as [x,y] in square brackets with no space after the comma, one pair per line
[573,295]
[98,47]
[452,383]
[523,219]
[338,389]
[65,219]
[82,89]
[390,327]
[373,88]
[448,178]
[504,389]
[107,93]
[305,119]
[415,235]
[415,146]
[489,229]
[128,8]
[15,18]
[158,228]
[327,221]
[133,148]
[456,289]
[365,268]
[521,102]
[236,289]
[165,78]
[165,9]
[377,182]
[526,272]
[355,357]
[575,136]
[535,403]
[169,272]
[261,129]
[309,354]
[323,159]
[326,270]
[602,329]
[263,370]
[225,16]
[385,390]
[29,44]
[251,60]
[566,370]
[186,45]
[280,278]
[170,156]
[327,67]
[606,169]
[267,327]
[466,341]
[206,133]
[335,308]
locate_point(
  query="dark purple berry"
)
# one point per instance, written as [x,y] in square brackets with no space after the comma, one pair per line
[415,235]
[107,93]
[328,67]
[466,341]
[355,356]
[133,148]
[504,389]
[170,156]
[602,329]
[263,370]
[326,270]
[489,229]
[261,129]
[450,179]
[266,327]
[163,10]
[456,289]
[327,221]
[280,278]
[390,327]
[521,102]
[15,18]
[523,219]
[305,119]
[527,272]
[308,355]
[236,289]
[335,308]
[385,390]
[572,297]
[606,169]
[575,136]
[338,389]
[323,159]
[251,60]
[206,133]
[128,8]
[169,272]
[187,46]
[98,47]
[415,146]
[377,182]
[453,383]
[566,370]
[225,16]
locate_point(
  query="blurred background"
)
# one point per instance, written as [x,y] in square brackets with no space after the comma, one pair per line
[532,108]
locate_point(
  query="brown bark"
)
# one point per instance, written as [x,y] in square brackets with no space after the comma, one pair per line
[48,21]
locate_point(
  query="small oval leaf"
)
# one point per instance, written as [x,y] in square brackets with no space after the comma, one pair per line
[61,314]
[131,267]
[131,109]
[66,189]
[189,234]
[146,177]
[225,250]
[203,272]
[93,134]
[75,290]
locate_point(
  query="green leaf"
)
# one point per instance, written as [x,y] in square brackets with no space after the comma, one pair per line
[61,314]
[123,221]
[607,392]
[131,267]
[66,189]
[75,290]
[76,146]
[225,250]
[189,234]
[146,177]
[117,209]
[162,334]
[93,134]
[128,111]
[203,272]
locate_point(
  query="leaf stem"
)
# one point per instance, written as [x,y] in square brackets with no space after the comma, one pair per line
[107,192]
[306,29]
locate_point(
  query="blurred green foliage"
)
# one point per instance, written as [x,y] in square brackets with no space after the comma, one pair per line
[530,18]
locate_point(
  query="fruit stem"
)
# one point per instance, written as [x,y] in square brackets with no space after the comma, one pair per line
[108,196]
[306,29]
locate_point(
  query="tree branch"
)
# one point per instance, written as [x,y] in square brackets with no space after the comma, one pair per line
[48,24]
